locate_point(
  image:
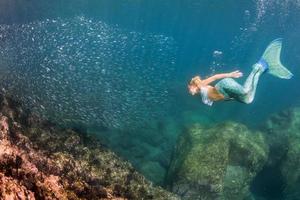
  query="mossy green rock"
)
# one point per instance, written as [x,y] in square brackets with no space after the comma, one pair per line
[283,134]
[290,169]
[217,162]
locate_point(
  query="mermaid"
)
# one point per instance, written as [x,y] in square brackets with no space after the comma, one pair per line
[228,89]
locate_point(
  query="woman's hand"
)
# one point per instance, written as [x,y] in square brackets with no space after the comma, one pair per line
[235,74]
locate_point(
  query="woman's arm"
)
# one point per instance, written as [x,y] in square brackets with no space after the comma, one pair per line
[235,74]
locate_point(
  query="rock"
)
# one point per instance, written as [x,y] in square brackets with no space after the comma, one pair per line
[290,168]
[39,160]
[19,165]
[154,170]
[283,134]
[152,143]
[216,163]
[11,189]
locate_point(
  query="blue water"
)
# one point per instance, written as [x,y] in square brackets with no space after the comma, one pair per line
[120,68]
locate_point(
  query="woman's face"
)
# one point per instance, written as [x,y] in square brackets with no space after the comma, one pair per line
[194,85]
[193,89]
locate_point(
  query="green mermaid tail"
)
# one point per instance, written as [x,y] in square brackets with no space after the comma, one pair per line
[271,57]
[269,62]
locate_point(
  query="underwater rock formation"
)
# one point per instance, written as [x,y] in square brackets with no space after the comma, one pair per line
[217,163]
[283,136]
[38,160]
[148,149]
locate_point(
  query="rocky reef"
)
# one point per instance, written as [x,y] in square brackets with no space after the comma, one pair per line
[39,160]
[217,162]
[283,136]
[230,161]
[148,148]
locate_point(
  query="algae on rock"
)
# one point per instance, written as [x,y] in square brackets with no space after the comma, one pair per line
[39,160]
[217,162]
[283,136]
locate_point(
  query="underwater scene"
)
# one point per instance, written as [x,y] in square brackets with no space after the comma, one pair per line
[139,99]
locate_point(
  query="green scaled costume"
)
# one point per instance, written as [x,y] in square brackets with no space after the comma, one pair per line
[269,62]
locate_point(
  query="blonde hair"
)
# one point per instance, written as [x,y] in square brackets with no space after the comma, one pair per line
[195,81]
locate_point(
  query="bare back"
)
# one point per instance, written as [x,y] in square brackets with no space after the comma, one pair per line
[213,94]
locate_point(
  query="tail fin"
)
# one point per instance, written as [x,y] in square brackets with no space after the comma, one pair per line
[272,58]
